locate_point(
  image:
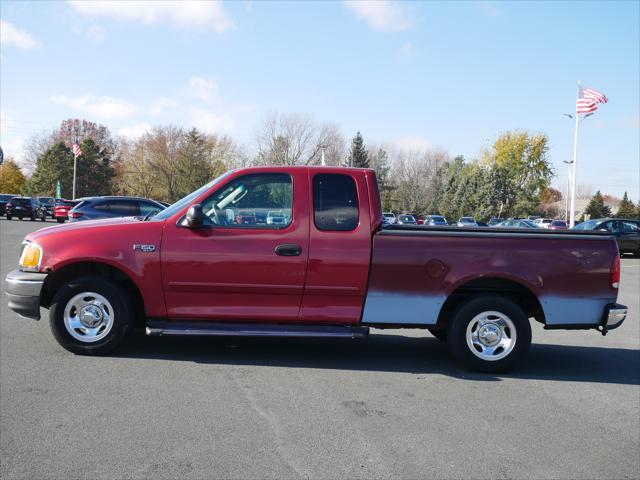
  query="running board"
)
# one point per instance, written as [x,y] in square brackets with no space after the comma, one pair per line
[158,328]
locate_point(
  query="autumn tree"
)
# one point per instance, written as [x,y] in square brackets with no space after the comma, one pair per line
[11,177]
[523,157]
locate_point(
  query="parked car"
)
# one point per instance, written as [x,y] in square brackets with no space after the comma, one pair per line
[22,207]
[389,217]
[61,209]
[516,224]
[93,208]
[467,222]
[276,217]
[436,220]
[332,273]
[493,221]
[543,222]
[626,232]
[405,219]
[246,217]
[47,203]
[558,225]
[4,199]
[482,224]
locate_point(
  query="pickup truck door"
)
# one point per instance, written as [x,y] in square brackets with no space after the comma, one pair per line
[241,264]
[339,248]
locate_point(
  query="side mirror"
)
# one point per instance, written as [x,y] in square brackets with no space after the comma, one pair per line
[195,217]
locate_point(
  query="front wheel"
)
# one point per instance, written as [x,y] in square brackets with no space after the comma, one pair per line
[9,217]
[44,217]
[60,220]
[91,315]
[489,334]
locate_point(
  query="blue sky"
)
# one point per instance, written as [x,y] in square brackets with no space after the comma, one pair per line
[442,74]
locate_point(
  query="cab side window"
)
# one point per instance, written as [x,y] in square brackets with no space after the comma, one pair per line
[252,201]
[630,227]
[335,202]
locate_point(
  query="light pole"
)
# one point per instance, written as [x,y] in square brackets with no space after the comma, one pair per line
[75,159]
[566,197]
[574,162]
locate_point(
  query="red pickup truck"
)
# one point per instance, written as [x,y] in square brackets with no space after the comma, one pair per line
[328,269]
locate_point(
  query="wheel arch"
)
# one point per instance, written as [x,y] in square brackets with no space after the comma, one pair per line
[494,285]
[68,272]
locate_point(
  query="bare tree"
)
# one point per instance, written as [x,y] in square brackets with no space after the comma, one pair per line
[295,139]
[584,190]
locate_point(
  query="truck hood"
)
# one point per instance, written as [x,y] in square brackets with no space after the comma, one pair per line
[89,227]
[127,243]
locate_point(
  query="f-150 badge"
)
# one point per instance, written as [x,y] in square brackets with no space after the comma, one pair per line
[144,248]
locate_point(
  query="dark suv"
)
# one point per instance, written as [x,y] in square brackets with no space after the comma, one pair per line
[627,232]
[94,208]
[4,199]
[46,207]
[22,207]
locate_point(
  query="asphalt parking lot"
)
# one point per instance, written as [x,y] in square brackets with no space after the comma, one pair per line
[391,406]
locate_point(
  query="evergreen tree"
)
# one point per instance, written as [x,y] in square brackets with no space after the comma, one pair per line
[597,208]
[94,174]
[379,161]
[626,209]
[55,164]
[358,156]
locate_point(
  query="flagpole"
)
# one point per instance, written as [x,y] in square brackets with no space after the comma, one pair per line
[572,213]
[75,161]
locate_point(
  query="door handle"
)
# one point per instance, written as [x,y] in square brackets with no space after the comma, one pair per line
[288,250]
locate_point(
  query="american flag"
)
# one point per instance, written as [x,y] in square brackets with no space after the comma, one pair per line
[584,105]
[595,95]
[76,150]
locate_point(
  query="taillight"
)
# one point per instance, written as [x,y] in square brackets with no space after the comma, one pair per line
[75,214]
[614,278]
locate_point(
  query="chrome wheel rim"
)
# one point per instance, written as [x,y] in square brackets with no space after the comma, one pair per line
[491,336]
[88,317]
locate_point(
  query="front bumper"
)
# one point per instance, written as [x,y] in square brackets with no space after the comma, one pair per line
[23,292]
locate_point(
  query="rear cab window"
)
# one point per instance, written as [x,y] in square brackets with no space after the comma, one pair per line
[335,202]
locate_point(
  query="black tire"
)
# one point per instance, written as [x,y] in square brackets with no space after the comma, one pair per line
[20,218]
[44,217]
[60,220]
[33,217]
[123,315]
[462,318]
[440,334]
[9,217]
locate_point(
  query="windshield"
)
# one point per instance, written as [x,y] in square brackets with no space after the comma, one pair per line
[438,219]
[467,220]
[590,225]
[183,202]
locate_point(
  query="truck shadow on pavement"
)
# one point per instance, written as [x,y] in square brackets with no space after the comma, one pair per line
[386,353]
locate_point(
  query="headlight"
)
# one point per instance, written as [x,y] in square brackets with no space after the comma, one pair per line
[30,257]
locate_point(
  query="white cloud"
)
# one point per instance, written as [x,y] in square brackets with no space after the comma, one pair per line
[134,131]
[161,105]
[210,122]
[203,88]
[187,13]
[101,107]
[384,15]
[407,51]
[411,143]
[95,33]
[490,9]
[12,35]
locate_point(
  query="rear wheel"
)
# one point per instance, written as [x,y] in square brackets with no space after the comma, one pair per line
[60,220]
[9,217]
[489,334]
[91,315]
